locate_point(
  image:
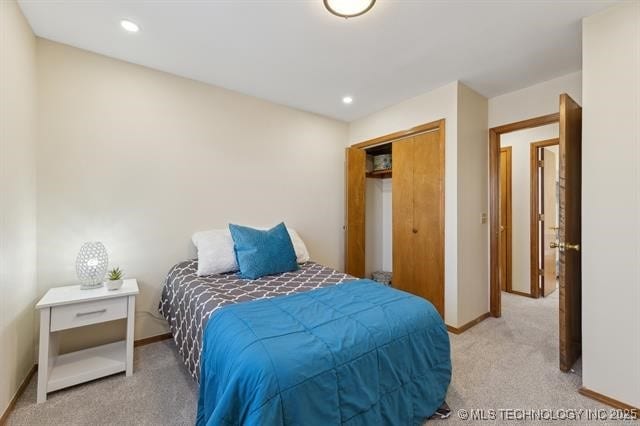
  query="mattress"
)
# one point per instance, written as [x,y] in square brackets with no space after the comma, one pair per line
[188,301]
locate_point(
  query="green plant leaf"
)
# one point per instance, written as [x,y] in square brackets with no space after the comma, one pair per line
[115,274]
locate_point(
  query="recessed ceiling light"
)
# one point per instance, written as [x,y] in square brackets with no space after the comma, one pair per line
[132,27]
[347,100]
[348,8]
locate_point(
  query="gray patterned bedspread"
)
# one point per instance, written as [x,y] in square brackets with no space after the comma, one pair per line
[188,300]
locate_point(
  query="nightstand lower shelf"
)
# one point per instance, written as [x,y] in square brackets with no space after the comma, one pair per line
[88,364]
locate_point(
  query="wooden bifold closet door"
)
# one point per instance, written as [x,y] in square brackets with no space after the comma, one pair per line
[418,216]
[355,212]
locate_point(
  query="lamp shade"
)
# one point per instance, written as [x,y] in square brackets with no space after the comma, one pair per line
[348,8]
[91,265]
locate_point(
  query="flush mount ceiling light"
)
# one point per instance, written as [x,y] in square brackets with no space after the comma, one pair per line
[132,27]
[348,8]
[347,100]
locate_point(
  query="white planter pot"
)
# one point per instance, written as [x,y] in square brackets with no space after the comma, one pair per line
[113,284]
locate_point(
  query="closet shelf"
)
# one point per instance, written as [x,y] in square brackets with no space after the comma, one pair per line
[380,174]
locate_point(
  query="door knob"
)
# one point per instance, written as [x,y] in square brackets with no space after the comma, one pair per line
[564,246]
[575,247]
[415,231]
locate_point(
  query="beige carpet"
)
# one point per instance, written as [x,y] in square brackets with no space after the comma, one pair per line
[506,363]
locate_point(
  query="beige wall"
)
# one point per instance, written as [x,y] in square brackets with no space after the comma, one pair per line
[611,203]
[140,159]
[533,101]
[17,198]
[472,193]
[520,143]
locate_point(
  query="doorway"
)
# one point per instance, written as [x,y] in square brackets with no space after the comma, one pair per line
[569,223]
[520,209]
[544,217]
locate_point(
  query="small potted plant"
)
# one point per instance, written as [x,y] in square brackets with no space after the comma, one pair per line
[114,281]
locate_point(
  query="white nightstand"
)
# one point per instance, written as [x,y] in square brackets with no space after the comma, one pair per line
[68,307]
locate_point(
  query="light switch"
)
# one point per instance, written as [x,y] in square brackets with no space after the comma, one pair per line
[483,218]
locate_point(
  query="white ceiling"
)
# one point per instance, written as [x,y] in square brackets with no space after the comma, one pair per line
[295,53]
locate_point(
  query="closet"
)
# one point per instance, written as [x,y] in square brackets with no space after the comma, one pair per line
[417,208]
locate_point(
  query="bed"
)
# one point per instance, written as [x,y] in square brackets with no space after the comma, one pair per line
[314,346]
[188,301]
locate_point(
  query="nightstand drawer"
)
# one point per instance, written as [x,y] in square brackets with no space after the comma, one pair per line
[79,314]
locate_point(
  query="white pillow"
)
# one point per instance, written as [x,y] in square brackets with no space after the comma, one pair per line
[216,254]
[302,254]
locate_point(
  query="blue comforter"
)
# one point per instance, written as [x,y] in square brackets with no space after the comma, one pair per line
[357,353]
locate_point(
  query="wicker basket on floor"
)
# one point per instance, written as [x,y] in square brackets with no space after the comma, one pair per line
[383,277]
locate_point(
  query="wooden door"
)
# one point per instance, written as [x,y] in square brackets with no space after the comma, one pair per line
[570,231]
[402,215]
[418,216]
[550,211]
[355,211]
[504,274]
[428,218]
